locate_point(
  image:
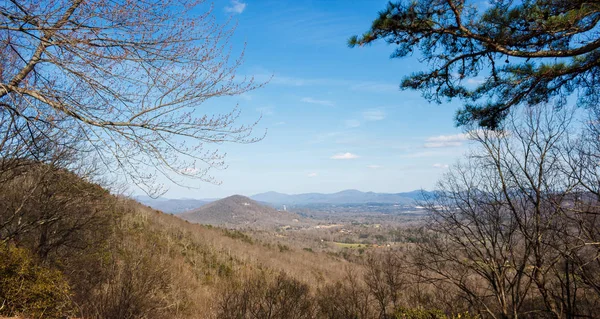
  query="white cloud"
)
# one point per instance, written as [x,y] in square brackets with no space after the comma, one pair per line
[352,123]
[315,101]
[279,123]
[236,7]
[261,74]
[344,156]
[434,152]
[265,110]
[475,81]
[265,75]
[294,81]
[313,174]
[189,171]
[445,141]
[374,166]
[441,144]
[438,165]
[449,138]
[483,134]
[374,115]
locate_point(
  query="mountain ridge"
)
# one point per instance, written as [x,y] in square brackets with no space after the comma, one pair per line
[171,206]
[348,196]
[240,211]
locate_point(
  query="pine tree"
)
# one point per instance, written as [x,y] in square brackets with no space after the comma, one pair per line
[498,54]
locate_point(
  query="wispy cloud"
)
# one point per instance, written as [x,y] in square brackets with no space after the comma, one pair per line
[246,96]
[376,87]
[374,115]
[438,165]
[374,166]
[352,123]
[442,144]
[428,153]
[313,174]
[344,156]
[310,25]
[445,141]
[265,110]
[315,101]
[475,81]
[263,75]
[236,7]
[189,171]
[286,80]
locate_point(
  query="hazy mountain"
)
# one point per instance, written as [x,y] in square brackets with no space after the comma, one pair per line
[173,206]
[239,211]
[350,196]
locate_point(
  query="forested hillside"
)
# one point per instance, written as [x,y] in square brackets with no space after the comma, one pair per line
[75,250]
[239,211]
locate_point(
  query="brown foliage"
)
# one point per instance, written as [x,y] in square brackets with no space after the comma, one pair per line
[266,296]
[30,290]
[53,212]
[348,298]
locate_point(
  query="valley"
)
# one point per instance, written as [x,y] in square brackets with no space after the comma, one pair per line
[314,222]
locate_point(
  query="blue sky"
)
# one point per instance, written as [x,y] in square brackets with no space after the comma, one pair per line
[335,116]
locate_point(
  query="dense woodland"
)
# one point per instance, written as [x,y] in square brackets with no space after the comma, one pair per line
[513,230]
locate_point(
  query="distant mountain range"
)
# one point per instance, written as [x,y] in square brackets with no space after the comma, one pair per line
[350,196]
[239,211]
[171,206]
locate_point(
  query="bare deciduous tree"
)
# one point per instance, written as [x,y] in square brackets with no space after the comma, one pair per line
[385,279]
[581,239]
[349,298]
[52,212]
[264,297]
[510,232]
[126,79]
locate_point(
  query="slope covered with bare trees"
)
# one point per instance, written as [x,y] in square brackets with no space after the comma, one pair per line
[72,249]
[242,212]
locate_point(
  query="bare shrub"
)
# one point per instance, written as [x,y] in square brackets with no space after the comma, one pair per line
[29,289]
[348,298]
[264,297]
[53,212]
[134,289]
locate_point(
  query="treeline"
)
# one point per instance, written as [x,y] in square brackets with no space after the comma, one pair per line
[513,231]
